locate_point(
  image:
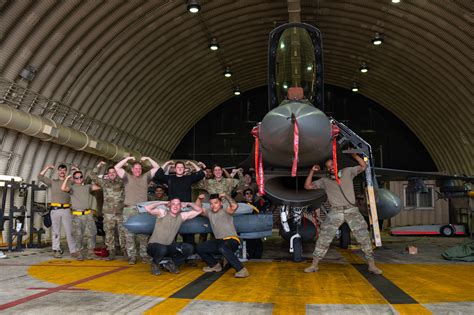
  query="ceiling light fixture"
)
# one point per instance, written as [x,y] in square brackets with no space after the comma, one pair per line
[193,6]
[377,40]
[363,67]
[236,90]
[227,72]
[395,1]
[213,45]
[355,88]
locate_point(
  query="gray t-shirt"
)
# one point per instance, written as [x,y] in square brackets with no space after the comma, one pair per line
[80,195]
[335,196]
[56,195]
[166,229]
[222,223]
[136,188]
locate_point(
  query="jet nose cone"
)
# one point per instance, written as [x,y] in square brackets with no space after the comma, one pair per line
[277,134]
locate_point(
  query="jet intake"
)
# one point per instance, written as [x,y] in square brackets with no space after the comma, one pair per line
[290,191]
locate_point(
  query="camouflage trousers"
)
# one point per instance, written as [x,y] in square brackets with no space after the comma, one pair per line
[110,222]
[130,238]
[334,219]
[84,231]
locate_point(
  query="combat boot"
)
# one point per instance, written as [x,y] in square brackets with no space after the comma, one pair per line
[145,260]
[171,267]
[79,256]
[216,268]
[132,261]
[314,266]
[242,273]
[57,254]
[89,254]
[155,269]
[372,268]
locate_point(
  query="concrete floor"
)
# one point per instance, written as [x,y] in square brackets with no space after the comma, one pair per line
[32,282]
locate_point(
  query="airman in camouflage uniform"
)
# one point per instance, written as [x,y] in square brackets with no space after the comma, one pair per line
[221,185]
[83,224]
[159,194]
[135,187]
[112,208]
[343,208]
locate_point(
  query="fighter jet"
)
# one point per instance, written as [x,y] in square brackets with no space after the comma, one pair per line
[293,136]
[296,134]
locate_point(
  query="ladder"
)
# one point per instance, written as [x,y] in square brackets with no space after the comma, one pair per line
[363,147]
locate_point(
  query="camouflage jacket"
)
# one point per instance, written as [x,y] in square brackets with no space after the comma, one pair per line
[154,198]
[224,186]
[113,193]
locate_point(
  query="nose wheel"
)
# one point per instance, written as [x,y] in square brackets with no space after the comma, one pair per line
[296,247]
[295,230]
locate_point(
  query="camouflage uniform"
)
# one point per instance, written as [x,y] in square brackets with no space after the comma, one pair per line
[84,230]
[342,200]
[112,209]
[83,224]
[334,219]
[224,186]
[135,192]
[154,198]
[130,237]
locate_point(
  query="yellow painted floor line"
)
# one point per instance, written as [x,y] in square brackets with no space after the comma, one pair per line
[135,279]
[433,283]
[410,309]
[285,283]
[168,306]
[289,305]
[282,284]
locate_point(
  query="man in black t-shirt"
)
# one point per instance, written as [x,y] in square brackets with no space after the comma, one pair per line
[179,185]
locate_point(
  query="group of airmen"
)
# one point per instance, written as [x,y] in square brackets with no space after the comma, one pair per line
[70,205]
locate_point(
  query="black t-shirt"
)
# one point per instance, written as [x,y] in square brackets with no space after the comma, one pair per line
[178,187]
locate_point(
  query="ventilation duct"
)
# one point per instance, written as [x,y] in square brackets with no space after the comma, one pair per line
[48,130]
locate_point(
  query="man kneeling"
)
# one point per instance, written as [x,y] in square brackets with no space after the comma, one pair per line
[162,242]
[226,242]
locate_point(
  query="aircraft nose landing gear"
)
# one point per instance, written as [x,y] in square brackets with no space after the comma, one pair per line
[296,229]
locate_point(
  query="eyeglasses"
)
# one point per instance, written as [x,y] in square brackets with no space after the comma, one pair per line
[80,177]
[248,193]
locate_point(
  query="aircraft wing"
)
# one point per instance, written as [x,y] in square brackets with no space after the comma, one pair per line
[400,175]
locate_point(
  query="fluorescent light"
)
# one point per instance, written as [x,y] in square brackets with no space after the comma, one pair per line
[363,67]
[193,6]
[227,72]
[214,45]
[377,40]
[355,88]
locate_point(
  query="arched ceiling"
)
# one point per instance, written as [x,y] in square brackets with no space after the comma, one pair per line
[144,67]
